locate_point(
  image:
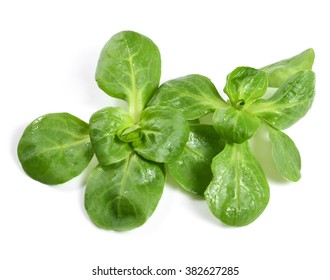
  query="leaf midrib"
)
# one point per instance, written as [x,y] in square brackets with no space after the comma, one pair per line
[62,147]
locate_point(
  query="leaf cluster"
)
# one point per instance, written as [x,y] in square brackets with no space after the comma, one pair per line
[131,146]
[161,130]
[235,186]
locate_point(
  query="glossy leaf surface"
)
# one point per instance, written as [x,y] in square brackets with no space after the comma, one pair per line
[192,170]
[164,133]
[235,126]
[239,191]
[129,68]
[289,103]
[193,95]
[286,155]
[244,85]
[103,128]
[123,195]
[280,71]
[55,148]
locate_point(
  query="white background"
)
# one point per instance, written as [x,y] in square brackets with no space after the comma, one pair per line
[48,55]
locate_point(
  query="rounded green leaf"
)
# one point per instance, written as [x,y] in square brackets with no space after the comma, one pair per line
[122,196]
[130,134]
[289,103]
[280,71]
[193,95]
[55,148]
[286,155]
[103,128]
[239,191]
[235,126]
[244,85]
[192,170]
[164,133]
[129,68]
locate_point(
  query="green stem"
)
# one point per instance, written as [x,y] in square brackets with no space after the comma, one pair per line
[135,109]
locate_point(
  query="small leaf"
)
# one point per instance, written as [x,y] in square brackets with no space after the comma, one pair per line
[193,95]
[164,133]
[103,128]
[130,134]
[289,103]
[55,148]
[192,170]
[286,155]
[280,71]
[239,191]
[129,68]
[122,196]
[235,126]
[244,85]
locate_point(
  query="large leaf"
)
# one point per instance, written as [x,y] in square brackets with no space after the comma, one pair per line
[192,170]
[239,191]
[244,85]
[193,95]
[164,133]
[280,71]
[122,196]
[103,128]
[289,103]
[55,148]
[286,155]
[129,68]
[235,126]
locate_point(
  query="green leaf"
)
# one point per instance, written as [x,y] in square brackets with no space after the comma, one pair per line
[289,103]
[280,71]
[129,68]
[103,128]
[192,170]
[286,155]
[122,196]
[193,95]
[239,191]
[130,134]
[235,126]
[244,85]
[164,133]
[55,148]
